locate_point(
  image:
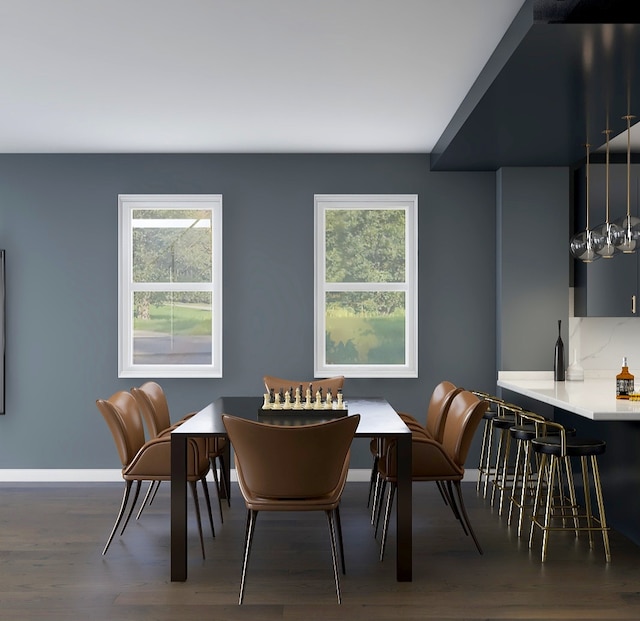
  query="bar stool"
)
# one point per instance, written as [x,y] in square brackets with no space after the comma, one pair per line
[556,451]
[484,462]
[502,423]
[529,426]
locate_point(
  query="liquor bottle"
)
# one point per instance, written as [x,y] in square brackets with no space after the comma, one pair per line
[558,361]
[624,382]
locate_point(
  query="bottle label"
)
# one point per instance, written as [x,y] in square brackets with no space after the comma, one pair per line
[624,387]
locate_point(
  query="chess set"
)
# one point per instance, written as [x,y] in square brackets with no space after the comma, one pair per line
[293,402]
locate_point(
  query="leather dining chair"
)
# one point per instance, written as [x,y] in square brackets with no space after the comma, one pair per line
[155,411]
[440,461]
[292,468]
[147,460]
[433,428]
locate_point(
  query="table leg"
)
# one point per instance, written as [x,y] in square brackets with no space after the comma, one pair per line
[178,508]
[404,510]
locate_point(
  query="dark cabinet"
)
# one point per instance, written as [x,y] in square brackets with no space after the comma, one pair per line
[607,287]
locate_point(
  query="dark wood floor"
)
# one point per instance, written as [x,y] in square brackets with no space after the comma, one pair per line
[51,567]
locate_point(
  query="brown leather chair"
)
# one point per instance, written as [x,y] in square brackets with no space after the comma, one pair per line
[435,461]
[155,411]
[292,468]
[278,384]
[439,403]
[147,460]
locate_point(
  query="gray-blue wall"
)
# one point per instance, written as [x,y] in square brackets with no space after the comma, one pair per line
[58,225]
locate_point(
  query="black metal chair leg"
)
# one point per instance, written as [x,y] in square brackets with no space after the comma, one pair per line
[207,498]
[123,504]
[332,537]
[133,504]
[194,492]
[463,512]
[248,539]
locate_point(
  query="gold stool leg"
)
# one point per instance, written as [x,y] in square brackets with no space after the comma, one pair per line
[516,479]
[587,499]
[603,520]
[553,466]
[487,473]
[542,467]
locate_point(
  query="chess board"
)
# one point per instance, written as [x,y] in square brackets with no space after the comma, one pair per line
[320,412]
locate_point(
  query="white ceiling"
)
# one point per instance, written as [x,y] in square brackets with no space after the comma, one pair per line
[226,76]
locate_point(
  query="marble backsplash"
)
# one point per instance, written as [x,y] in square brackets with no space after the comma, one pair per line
[599,343]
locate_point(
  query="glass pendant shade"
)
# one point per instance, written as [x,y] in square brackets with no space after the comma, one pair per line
[586,245]
[628,235]
[610,233]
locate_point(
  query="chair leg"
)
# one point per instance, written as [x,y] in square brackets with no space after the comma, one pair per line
[133,504]
[340,544]
[217,482]
[454,506]
[332,537]
[123,504]
[205,487]
[248,539]
[194,492]
[387,515]
[465,517]
[148,497]
[383,488]
[372,479]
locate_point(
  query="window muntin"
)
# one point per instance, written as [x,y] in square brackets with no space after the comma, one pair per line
[170,302]
[366,285]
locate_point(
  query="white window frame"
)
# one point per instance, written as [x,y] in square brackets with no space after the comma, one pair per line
[408,202]
[126,287]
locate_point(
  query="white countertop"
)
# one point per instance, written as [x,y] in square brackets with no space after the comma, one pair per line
[593,398]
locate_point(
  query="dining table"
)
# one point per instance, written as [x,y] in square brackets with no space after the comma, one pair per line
[378,419]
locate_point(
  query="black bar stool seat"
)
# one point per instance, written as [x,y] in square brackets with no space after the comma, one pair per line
[575,447]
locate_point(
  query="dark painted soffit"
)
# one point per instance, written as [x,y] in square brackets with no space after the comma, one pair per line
[555,81]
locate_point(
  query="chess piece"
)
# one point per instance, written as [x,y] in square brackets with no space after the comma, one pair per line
[339,404]
[307,400]
[287,401]
[297,404]
[276,404]
[318,403]
[328,405]
[266,404]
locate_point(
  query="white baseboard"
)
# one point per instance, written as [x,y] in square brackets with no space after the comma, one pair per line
[81,475]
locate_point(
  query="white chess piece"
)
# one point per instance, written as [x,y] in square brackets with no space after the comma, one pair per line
[328,405]
[287,401]
[307,400]
[276,404]
[318,402]
[266,404]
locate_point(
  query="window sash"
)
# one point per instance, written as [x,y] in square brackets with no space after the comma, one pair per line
[408,203]
[207,362]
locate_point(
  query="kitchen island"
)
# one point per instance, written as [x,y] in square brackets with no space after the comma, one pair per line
[593,398]
[590,406]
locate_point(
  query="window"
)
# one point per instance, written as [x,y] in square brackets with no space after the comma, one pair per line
[366,302]
[170,286]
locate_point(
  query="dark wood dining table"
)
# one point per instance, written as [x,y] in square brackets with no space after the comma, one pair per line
[378,419]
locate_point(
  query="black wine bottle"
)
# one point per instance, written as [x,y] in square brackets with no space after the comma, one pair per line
[558,361]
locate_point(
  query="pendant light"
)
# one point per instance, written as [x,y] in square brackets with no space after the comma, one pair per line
[586,244]
[609,230]
[628,236]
